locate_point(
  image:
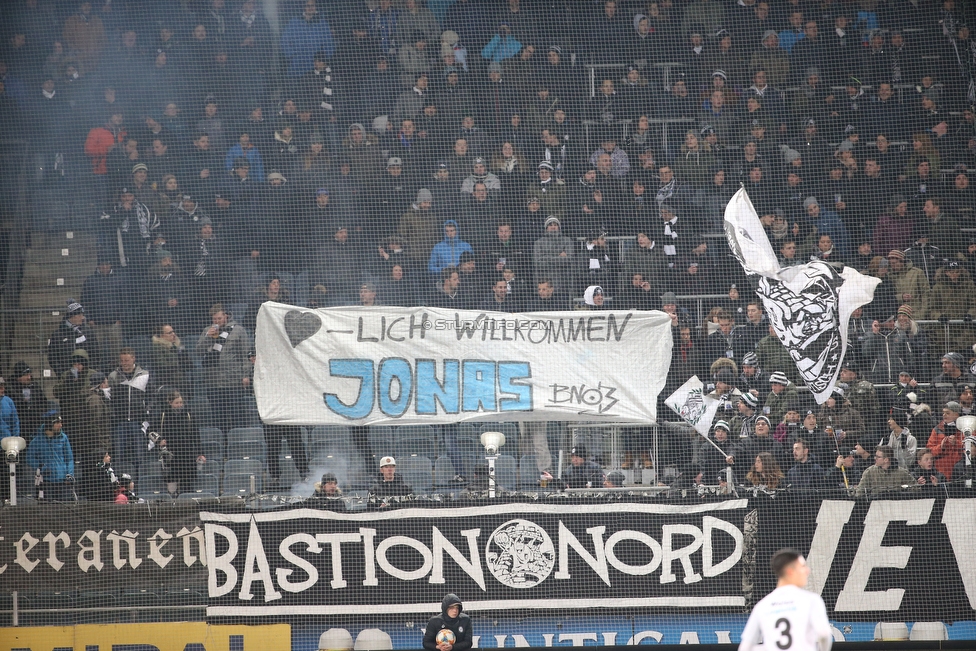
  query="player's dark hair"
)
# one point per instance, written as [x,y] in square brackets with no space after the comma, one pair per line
[783,559]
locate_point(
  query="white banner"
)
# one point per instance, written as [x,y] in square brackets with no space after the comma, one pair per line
[695,406]
[809,306]
[409,366]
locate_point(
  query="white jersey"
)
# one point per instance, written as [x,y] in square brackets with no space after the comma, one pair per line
[788,618]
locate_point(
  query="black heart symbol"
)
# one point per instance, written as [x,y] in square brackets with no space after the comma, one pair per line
[301,325]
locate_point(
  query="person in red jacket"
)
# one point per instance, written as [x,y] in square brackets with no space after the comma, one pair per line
[101,140]
[946,441]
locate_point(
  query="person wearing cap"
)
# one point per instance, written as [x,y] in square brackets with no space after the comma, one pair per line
[582,473]
[388,483]
[50,451]
[552,256]
[901,439]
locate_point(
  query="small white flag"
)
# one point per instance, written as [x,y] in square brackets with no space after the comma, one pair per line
[693,405]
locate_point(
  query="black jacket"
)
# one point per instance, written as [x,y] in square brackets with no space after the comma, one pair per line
[460,626]
[389,488]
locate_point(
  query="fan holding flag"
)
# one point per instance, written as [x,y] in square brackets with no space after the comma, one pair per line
[807,304]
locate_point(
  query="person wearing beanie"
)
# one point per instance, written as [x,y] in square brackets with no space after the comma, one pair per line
[550,192]
[711,462]
[782,397]
[763,443]
[753,379]
[892,348]
[327,494]
[480,174]
[50,452]
[71,334]
[954,376]
[552,256]
[946,441]
[582,473]
[744,422]
[838,413]
[420,228]
[28,397]
[901,439]
[862,397]
[911,284]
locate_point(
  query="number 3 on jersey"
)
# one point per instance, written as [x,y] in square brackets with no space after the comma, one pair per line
[785,640]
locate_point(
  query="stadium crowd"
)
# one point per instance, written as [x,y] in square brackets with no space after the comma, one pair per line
[507,155]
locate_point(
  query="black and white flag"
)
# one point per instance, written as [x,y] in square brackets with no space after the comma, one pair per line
[806,304]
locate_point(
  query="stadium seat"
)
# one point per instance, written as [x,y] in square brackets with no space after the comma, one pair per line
[245,434]
[506,472]
[288,473]
[247,449]
[443,472]
[196,496]
[150,478]
[381,441]
[212,443]
[56,604]
[928,631]
[207,483]
[417,472]
[529,473]
[104,607]
[416,447]
[138,605]
[183,604]
[200,408]
[237,476]
[891,631]
[323,441]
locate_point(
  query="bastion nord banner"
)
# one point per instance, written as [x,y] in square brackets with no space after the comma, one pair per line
[390,365]
[515,556]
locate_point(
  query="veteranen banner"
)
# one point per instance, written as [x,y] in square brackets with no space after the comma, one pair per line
[389,365]
[512,556]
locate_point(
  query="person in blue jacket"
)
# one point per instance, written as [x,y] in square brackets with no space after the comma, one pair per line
[9,420]
[51,453]
[447,252]
[305,36]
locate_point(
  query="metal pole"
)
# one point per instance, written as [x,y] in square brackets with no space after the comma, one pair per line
[657,464]
[491,475]
[15,612]
[13,484]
